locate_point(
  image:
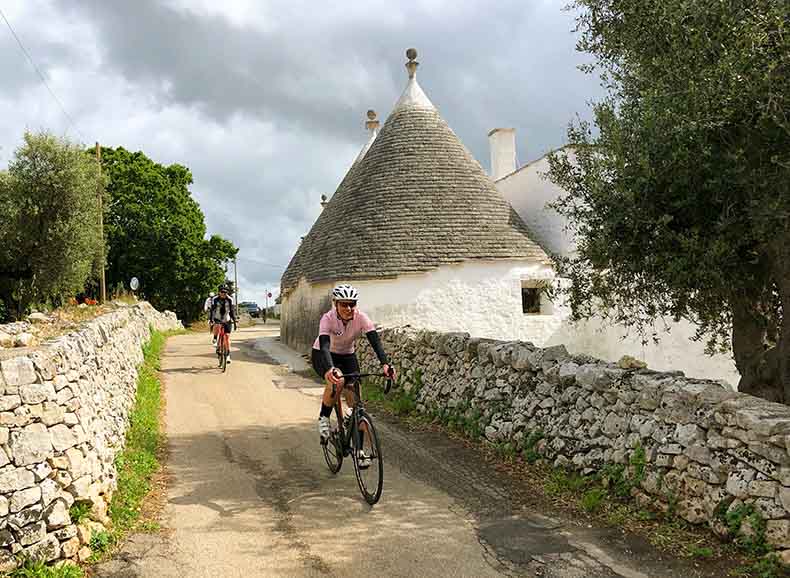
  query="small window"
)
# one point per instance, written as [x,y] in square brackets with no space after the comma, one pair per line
[530,299]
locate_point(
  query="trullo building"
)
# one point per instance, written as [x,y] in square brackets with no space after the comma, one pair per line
[419,227]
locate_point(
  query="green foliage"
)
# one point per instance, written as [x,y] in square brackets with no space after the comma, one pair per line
[530,452]
[769,566]
[404,403]
[38,569]
[50,240]
[592,499]
[680,200]
[157,233]
[700,552]
[100,543]
[621,481]
[752,541]
[79,511]
[138,461]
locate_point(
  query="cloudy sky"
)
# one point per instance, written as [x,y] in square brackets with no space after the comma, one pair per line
[265,100]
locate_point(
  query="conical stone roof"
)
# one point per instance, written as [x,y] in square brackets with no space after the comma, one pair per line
[416,200]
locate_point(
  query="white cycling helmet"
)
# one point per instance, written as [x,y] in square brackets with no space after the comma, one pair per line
[345,292]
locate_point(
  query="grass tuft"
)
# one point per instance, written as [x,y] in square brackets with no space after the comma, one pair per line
[138,462]
[38,569]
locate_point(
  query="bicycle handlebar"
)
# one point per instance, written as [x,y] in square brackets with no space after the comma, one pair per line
[356,375]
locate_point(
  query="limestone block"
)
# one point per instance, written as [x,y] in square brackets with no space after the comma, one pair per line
[25,517]
[66,533]
[80,487]
[18,371]
[738,483]
[63,478]
[6,340]
[84,554]
[66,497]
[784,497]
[614,424]
[57,515]
[777,533]
[24,498]
[692,511]
[32,533]
[63,437]
[771,452]
[763,489]
[689,434]
[6,538]
[60,381]
[764,418]
[770,509]
[25,340]
[567,373]
[64,395]
[49,491]
[4,435]
[699,453]
[46,550]
[70,547]
[3,506]
[52,414]
[31,445]
[13,479]
[41,471]
[10,402]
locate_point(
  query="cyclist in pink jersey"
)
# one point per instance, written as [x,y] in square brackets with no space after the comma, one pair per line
[334,352]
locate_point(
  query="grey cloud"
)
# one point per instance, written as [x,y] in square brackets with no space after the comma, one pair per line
[310,77]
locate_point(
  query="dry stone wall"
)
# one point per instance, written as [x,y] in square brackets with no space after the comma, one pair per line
[63,417]
[707,450]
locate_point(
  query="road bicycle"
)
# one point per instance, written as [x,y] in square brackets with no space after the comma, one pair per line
[356,436]
[223,348]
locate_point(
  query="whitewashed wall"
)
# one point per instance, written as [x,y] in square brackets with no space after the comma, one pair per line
[482,298]
[528,191]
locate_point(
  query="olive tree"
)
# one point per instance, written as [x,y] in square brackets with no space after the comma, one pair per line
[50,240]
[679,193]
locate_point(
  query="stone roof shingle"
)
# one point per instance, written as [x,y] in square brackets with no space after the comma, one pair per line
[417,200]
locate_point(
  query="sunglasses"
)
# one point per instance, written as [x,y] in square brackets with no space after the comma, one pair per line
[349,304]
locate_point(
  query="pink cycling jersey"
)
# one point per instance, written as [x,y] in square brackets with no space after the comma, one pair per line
[342,337]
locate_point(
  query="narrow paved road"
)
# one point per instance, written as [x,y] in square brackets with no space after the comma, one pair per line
[251,496]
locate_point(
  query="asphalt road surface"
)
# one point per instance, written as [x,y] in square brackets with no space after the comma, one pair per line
[250,494]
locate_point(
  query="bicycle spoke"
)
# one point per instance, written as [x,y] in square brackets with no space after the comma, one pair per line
[368,467]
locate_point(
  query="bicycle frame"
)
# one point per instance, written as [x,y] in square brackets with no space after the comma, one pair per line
[345,436]
[222,352]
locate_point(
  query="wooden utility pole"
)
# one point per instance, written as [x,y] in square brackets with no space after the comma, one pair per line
[236,280]
[100,192]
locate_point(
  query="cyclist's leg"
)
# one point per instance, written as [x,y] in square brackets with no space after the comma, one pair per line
[327,400]
[228,329]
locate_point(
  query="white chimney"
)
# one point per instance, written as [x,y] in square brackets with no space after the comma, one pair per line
[502,142]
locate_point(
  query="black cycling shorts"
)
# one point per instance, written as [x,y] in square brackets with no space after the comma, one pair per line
[228,326]
[345,362]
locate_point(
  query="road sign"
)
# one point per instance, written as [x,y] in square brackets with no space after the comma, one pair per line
[134,284]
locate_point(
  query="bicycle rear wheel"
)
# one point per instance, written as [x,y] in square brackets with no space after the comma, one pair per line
[223,356]
[371,477]
[333,447]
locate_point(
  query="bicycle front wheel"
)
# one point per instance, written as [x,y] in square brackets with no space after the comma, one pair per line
[333,447]
[368,464]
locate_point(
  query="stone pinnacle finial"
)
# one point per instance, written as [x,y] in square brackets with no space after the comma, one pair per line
[372,123]
[412,64]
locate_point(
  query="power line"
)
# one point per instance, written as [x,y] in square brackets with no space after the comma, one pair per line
[41,76]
